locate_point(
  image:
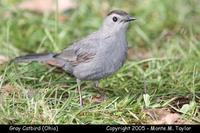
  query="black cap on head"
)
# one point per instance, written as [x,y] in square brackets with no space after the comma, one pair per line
[119,12]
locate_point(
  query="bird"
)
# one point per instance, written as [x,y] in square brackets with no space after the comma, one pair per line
[96,55]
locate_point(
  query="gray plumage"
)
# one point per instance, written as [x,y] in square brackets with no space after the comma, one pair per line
[97,55]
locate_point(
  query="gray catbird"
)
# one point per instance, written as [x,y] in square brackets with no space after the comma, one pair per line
[97,55]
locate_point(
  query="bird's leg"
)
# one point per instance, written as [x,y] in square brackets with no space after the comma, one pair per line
[96,84]
[79,91]
[100,91]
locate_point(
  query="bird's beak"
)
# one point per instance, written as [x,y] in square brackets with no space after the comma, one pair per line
[130,19]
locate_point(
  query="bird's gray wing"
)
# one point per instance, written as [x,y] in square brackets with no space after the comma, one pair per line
[79,52]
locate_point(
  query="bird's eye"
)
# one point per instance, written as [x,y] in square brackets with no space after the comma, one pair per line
[114,19]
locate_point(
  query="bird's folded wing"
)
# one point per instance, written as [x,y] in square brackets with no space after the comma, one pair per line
[78,53]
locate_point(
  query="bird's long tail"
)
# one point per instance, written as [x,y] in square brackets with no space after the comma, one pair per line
[49,58]
[34,57]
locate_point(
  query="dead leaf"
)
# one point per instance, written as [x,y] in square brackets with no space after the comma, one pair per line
[197,36]
[97,99]
[178,102]
[62,18]
[164,116]
[7,14]
[44,6]
[9,89]
[3,59]
[138,53]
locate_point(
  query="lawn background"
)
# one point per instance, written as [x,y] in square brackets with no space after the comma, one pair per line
[164,59]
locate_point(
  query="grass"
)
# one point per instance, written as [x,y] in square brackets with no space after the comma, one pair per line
[35,93]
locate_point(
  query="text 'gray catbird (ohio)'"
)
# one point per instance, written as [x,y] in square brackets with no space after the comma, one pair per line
[95,56]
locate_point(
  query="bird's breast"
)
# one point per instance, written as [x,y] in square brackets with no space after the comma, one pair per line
[115,55]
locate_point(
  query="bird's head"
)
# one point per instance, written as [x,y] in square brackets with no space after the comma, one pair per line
[117,21]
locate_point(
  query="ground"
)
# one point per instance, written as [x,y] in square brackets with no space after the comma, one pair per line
[161,75]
